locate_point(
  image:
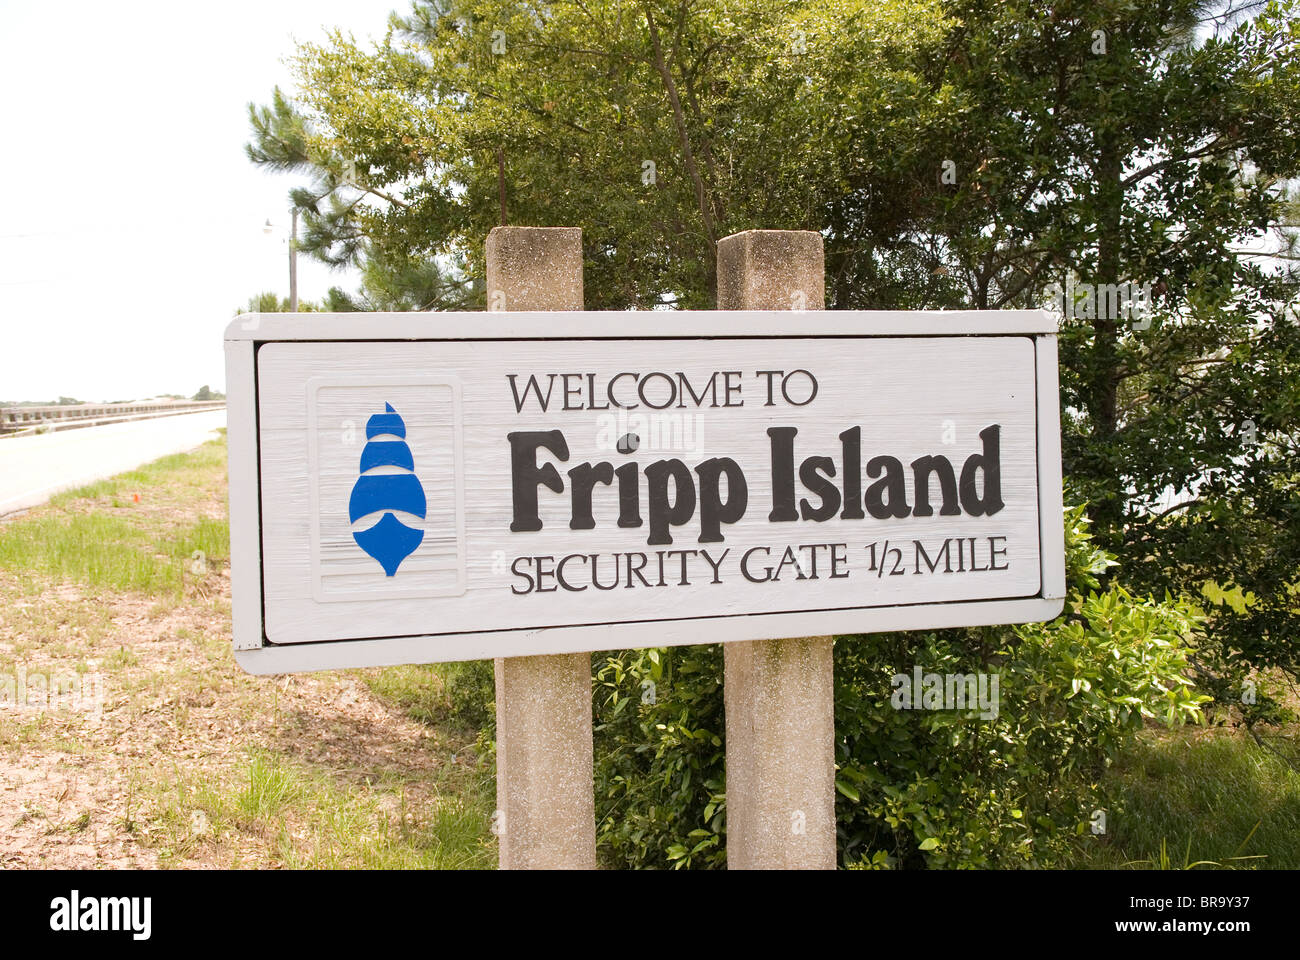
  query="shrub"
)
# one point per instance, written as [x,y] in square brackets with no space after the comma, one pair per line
[660,756]
[915,788]
[470,689]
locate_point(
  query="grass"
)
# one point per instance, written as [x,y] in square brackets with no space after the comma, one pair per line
[192,763]
[309,821]
[196,764]
[458,693]
[418,690]
[1191,797]
[102,536]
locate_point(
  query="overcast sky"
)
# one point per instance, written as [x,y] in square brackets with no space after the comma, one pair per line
[131,226]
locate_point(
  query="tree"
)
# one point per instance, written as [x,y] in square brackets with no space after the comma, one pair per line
[954,153]
[657,127]
[1107,144]
[269,302]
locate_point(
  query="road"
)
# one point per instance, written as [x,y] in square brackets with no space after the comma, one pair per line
[32,469]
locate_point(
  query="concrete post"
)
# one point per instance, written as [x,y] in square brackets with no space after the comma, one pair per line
[779,693]
[546,811]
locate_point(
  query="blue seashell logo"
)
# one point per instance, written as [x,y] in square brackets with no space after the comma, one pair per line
[389,541]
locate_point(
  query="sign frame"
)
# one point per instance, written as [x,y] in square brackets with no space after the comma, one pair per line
[248,332]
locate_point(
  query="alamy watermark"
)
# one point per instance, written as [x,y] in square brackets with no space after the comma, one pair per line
[76,913]
[39,691]
[1103,301]
[628,432]
[946,691]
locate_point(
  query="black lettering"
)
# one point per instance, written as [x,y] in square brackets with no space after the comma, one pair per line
[715,564]
[559,573]
[663,514]
[994,553]
[922,469]
[637,569]
[514,568]
[595,580]
[572,391]
[713,511]
[591,393]
[838,559]
[609,391]
[990,463]
[811,476]
[526,476]
[782,474]
[629,495]
[744,565]
[584,478]
[921,554]
[684,388]
[892,483]
[672,391]
[731,384]
[543,574]
[535,388]
[851,445]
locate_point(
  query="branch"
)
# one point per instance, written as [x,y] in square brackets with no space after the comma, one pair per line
[1153,168]
[688,155]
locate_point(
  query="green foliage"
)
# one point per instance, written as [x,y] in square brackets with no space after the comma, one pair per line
[460,692]
[1157,156]
[916,788]
[992,148]
[956,789]
[471,694]
[657,128]
[316,824]
[660,758]
[270,302]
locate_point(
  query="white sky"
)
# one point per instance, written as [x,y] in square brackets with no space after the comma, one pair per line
[131,223]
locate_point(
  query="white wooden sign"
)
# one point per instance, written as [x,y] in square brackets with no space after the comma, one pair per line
[413,488]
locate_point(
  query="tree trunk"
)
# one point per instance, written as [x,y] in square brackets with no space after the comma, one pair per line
[1104,372]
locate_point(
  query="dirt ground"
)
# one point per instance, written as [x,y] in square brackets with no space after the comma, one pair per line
[83,790]
[189,762]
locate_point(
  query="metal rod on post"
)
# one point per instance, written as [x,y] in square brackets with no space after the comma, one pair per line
[546,810]
[501,182]
[779,694]
[293,263]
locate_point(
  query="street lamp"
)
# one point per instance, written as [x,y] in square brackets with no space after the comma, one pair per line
[267,228]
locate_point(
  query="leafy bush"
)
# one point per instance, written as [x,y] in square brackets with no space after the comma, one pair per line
[660,756]
[952,789]
[470,688]
[916,788]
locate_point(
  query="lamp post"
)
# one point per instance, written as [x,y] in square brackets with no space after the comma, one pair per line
[293,257]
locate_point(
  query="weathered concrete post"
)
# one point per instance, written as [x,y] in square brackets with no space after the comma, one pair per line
[546,813]
[779,693]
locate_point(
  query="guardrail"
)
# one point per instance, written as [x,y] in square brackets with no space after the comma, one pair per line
[17,421]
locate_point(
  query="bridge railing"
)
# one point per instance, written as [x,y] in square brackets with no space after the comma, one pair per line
[66,416]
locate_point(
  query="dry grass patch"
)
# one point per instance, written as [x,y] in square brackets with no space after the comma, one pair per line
[187,761]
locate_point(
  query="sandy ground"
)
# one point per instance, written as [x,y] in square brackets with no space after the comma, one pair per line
[147,779]
[85,805]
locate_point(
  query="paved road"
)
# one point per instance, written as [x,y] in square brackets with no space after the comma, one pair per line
[32,469]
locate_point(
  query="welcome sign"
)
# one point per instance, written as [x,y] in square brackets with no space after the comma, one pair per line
[433,487]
